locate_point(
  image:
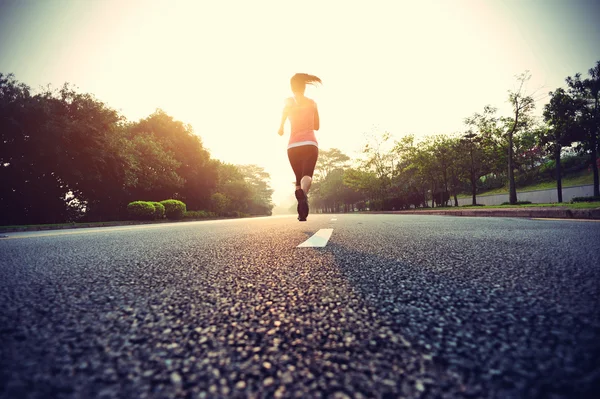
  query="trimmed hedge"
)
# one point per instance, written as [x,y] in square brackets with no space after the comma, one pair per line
[199,215]
[140,210]
[585,199]
[159,210]
[235,214]
[174,209]
[518,203]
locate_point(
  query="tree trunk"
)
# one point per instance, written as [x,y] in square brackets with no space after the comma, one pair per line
[558,175]
[594,142]
[473,189]
[594,159]
[594,146]
[473,181]
[512,190]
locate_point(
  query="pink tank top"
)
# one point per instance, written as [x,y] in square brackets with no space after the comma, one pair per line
[302,120]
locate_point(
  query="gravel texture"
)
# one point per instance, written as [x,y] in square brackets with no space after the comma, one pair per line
[394,306]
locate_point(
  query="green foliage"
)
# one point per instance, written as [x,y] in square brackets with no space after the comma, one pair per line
[185,167]
[66,156]
[585,199]
[54,143]
[199,215]
[242,188]
[159,210]
[236,214]
[219,203]
[174,209]
[330,160]
[517,203]
[141,210]
[150,169]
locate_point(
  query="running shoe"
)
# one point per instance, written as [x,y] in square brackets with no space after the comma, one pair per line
[302,205]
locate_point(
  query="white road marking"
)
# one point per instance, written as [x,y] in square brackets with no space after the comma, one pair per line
[319,239]
[333,220]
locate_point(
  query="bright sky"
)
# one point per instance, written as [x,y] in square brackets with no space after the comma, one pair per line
[405,67]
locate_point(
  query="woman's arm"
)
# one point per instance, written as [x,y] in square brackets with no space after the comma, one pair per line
[317,121]
[284,116]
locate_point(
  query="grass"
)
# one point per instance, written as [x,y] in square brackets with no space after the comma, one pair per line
[74,225]
[33,227]
[37,227]
[581,179]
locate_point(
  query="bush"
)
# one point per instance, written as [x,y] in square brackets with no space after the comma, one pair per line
[518,203]
[174,209]
[159,210]
[219,202]
[140,210]
[235,214]
[585,199]
[195,215]
[574,163]
[199,215]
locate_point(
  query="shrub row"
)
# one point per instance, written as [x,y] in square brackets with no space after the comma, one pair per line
[172,209]
[518,203]
[150,210]
[199,215]
[585,199]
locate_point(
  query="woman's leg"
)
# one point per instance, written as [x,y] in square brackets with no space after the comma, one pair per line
[296,163]
[311,155]
[305,184]
[294,156]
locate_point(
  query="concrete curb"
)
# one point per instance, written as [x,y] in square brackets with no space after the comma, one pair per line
[560,213]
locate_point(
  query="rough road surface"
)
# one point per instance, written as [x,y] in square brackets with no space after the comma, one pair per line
[393,306]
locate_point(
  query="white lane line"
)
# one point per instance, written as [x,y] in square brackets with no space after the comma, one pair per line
[333,220]
[319,239]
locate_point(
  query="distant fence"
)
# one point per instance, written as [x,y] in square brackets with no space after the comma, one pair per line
[536,196]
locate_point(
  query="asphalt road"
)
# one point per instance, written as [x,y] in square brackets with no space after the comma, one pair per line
[392,306]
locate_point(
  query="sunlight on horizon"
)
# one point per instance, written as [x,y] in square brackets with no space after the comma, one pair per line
[405,67]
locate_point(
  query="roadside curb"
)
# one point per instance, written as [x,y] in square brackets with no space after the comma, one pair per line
[560,213]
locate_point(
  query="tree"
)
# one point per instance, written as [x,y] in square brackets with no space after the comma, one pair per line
[195,168]
[445,158]
[330,160]
[234,192]
[328,189]
[245,187]
[410,173]
[587,91]
[522,104]
[379,159]
[472,142]
[57,154]
[257,179]
[561,114]
[362,181]
[150,171]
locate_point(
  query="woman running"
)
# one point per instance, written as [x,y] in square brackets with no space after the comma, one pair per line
[303,149]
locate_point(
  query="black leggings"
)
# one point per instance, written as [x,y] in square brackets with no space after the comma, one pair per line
[303,160]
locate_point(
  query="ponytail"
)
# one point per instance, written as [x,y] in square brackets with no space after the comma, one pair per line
[300,80]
